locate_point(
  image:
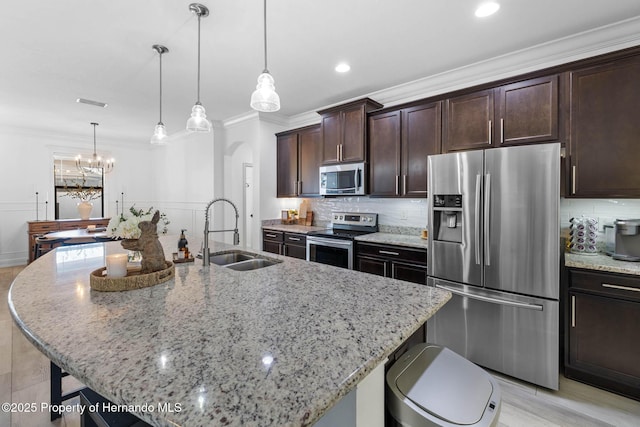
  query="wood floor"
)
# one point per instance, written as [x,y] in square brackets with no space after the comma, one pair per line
[24,378]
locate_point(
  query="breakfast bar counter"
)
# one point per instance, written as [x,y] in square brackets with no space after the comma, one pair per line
[276,346]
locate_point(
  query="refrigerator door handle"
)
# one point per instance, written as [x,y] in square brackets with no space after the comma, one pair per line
[487,208]
[510,303]
[477,219]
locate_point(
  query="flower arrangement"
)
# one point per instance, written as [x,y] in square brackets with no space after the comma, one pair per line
[126,227]
[80,191]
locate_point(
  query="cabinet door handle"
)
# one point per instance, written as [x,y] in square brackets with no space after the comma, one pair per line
[573,311]
[397,184]
[294,239]
[573,179]
[273,236]
[490,139]
[341,153]
[501,131]
[388,252]
[623,288]
[299,188]
[404,185]
[384,271]
[338,152]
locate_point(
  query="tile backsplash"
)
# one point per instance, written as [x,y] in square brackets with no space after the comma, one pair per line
[412,213]
[605,210]
[391,212]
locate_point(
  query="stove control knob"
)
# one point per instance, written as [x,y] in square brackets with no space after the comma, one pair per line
[340,217]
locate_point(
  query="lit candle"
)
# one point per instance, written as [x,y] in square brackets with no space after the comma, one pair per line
[117,265]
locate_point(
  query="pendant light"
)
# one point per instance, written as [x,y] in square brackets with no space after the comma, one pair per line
[265,98]
[95,162]
[159,136]
[198,121]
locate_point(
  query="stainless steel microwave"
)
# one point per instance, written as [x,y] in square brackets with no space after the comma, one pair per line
[344,179]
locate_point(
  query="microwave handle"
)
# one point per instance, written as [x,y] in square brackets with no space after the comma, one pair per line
[358,178]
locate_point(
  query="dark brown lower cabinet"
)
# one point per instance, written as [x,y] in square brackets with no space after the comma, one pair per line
[295,245]
[397,262]
[272,241]
[603,331]
[281,243]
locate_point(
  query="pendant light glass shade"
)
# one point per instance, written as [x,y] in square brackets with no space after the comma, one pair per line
[265,98]
[159,136]
[198,121]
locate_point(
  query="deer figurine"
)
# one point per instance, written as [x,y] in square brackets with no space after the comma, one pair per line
[149,245]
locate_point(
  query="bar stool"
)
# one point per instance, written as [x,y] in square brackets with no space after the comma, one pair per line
[43,244]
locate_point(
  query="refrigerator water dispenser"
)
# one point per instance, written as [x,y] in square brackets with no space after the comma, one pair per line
[447,217]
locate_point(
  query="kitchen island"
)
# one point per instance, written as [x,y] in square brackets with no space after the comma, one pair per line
[277,346]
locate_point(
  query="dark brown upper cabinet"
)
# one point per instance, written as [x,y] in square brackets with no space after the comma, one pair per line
[299,154]
[468,121]
[399,143]
[604,143]
[524,112]
[344,131]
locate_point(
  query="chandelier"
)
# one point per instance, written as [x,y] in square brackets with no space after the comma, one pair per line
[95,164]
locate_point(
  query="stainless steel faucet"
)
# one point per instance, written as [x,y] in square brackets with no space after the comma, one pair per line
[236,235]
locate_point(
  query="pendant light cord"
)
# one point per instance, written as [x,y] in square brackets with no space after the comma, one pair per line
[266,70]
[160,86]
[94,139]
[198,102]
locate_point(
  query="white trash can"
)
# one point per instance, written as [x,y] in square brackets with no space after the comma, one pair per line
[431,385]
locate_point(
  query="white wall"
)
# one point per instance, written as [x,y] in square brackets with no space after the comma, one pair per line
[184,180]
[250,139]
[178,179]
[26,166]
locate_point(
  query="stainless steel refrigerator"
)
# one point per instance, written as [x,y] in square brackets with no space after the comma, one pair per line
[494,242]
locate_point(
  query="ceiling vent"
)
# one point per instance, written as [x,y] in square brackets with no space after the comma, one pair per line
[90,102]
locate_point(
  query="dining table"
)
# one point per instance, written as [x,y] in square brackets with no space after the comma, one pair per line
[80,235]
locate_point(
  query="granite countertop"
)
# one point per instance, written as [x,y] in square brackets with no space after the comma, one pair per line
[394,239]
[278,346]
[601,262]
[293,228]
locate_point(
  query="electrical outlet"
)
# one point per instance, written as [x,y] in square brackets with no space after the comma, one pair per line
[404,215]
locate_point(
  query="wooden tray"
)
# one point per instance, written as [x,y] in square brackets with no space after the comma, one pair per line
[177,260]
[133,279]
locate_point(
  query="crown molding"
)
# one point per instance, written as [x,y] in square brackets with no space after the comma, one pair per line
[594,42]
[249,116]
[610,38]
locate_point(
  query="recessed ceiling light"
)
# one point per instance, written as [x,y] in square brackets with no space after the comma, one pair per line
[342,67]
[486,9]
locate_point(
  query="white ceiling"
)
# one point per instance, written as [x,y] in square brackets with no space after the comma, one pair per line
[56,51]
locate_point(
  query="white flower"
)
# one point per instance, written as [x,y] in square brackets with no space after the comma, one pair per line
[126,227]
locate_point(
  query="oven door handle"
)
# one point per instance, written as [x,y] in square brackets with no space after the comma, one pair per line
[333,243]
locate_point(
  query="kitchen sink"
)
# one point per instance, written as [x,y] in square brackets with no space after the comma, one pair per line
[230,257]
[252,264]
[241,261]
